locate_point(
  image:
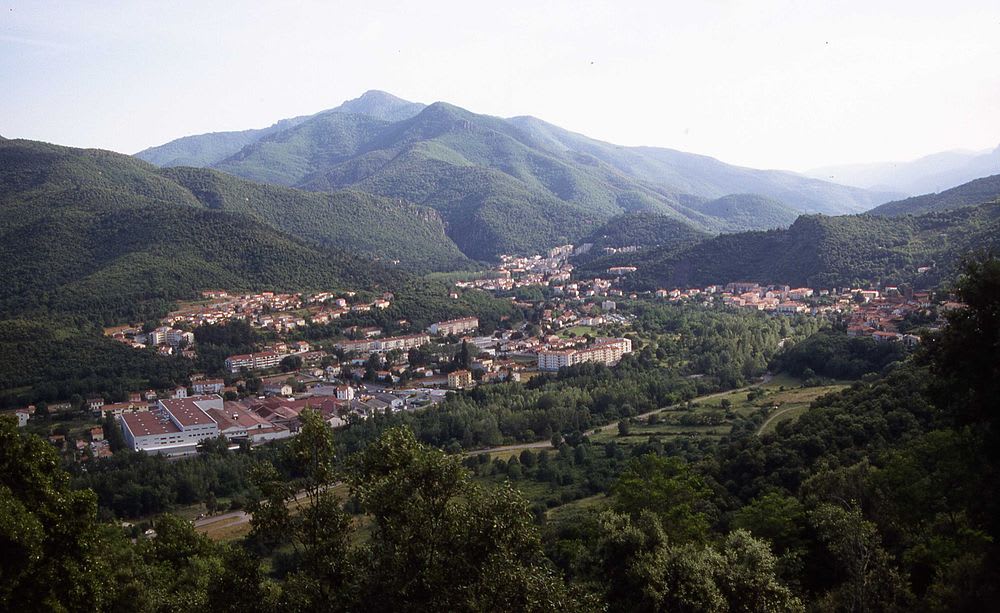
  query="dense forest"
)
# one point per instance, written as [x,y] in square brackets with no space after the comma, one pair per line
[881,497]
[42,361]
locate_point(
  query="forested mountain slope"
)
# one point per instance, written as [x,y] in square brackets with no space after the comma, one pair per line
[702,175]
[643,229]
[103,234]
[739,212]
[975,192]
[821,251]
[520,185]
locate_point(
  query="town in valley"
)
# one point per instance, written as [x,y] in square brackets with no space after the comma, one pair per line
[359,370]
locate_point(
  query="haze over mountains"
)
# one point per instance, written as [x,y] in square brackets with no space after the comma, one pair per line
[505,185]
[931,173]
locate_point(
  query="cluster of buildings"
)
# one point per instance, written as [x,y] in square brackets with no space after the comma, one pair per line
[165,339]
[273,311]
[177,426]
[521,271]
[454,326]
[382,345]
[869,312]
[780,299]
[270,357]
[880,315]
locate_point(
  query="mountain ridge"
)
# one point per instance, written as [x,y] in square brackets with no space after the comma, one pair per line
[516,185]
[922,250]
[979,191]
[213,147]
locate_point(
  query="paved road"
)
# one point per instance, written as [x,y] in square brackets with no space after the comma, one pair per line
[240,516]
[237,517]
[502,448]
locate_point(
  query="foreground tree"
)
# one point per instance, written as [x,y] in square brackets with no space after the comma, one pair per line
[307,512]
[645,572]
[439,542]
[668,488]
[49,533]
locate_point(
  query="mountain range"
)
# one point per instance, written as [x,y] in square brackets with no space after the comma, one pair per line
[514,185]
[919,241]
[378,188]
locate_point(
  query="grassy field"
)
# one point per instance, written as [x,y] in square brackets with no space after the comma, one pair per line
[578,331]
[781,398]
[226,529]
[571,511]
[77,425]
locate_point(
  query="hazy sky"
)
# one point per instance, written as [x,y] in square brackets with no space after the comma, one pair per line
[792,84]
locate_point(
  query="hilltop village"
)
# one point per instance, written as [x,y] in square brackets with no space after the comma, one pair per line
[257,396]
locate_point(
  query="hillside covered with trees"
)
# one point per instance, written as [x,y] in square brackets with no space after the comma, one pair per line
[821,251]
[986,189]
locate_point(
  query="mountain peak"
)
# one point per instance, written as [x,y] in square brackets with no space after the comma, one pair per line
[380,105]
[377,95]
[443,109]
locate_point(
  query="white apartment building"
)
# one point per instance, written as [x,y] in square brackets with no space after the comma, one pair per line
[454,326]
[554,360]
[208,386]
[253,361]
[604,350]
[402,343]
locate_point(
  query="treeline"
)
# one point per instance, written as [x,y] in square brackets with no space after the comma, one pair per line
[831,353]
[133,485]
[732,346]
[50,360]
[433,539]
[882,497]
